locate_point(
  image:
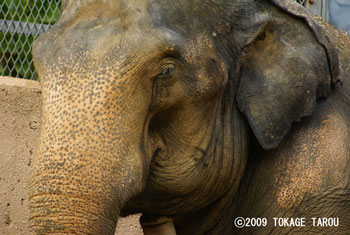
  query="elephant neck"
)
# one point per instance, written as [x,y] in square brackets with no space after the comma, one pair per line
[228,148]
[216,218]
[226,160]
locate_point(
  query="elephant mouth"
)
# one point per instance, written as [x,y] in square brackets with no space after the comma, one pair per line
[129,210]
[137,203]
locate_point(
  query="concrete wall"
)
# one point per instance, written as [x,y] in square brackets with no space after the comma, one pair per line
[19,131]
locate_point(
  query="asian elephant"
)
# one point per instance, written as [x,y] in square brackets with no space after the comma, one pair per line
[193,113]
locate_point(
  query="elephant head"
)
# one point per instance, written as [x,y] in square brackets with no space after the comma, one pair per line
[149,106]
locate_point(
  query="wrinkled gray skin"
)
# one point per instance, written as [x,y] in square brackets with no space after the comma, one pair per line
[193,113]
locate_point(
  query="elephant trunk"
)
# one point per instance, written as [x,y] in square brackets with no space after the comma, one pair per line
[80,192]
[90,161]
[70,198]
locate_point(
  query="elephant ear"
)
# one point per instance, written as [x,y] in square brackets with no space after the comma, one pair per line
[320,33]
[288,65]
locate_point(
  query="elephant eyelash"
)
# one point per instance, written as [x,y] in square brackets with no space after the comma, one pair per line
[167,70]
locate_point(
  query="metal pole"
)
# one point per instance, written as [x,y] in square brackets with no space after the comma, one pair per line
[318,7]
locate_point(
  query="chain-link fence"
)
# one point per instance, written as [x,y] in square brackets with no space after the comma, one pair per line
[22,21]
[301,1]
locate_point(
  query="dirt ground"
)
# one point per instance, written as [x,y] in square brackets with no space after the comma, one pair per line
[19,131]
[129,226]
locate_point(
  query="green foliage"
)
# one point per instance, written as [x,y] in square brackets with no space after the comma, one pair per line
[15,48]
[34,11]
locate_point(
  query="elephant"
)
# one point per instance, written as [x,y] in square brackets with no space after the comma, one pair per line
[195,114]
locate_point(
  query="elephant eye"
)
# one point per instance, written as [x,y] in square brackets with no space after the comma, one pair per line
[167,70]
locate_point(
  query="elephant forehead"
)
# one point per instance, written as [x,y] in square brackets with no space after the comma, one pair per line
[121,6]
[98,32]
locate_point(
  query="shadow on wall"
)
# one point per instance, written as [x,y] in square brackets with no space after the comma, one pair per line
[19,131]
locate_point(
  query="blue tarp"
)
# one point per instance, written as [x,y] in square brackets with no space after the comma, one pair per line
[339,14]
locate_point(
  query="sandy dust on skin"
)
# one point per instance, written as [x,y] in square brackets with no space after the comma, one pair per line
[314,155]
